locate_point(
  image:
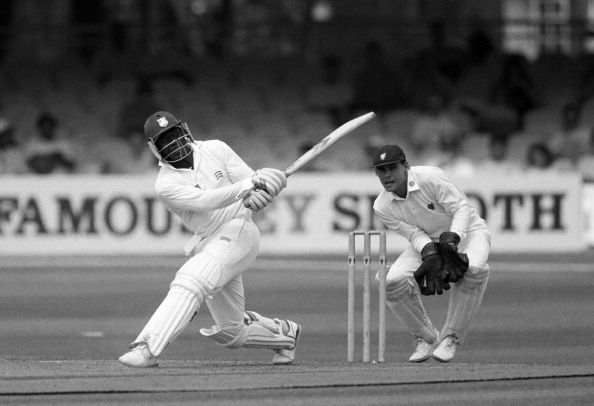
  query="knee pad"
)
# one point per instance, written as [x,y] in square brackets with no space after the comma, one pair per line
[475,278]
[202,272]
[255,332]
[398,290]
[183,300]
[404,300]
[233,336]
[194,285]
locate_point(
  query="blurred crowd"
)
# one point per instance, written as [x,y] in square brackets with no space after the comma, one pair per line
[465,107]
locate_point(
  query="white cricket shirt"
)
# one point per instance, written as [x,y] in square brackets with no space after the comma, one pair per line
[209,195]
[432,206]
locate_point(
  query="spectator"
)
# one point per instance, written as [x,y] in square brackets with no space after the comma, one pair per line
[515,89]
[572,140]
[331,94]
[125,155]
[434,124]
[539,157]
[49,152]
[370,147]
[438,67]
[12,158]
[317,165]
[474,92]
[451,158]
[124,18]
[483,64]
[479,46]
[85,14]
[135,112]
[585,164]
[498,160]
[377,86]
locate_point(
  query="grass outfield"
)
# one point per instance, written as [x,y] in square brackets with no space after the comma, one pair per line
[65,323]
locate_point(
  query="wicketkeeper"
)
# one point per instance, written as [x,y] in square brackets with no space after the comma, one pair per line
[214,193]
[449,248]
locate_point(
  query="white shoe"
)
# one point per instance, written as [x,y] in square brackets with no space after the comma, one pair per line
[139,357]
[284,356]
[446,349]
[422,350]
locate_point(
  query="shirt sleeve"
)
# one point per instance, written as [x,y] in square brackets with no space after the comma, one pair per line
[455,203]
[237,169]
[187,197]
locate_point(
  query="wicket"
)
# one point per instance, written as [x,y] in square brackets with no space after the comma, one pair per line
[367,294]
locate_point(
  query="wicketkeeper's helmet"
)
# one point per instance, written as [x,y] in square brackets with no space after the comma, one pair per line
[168,138]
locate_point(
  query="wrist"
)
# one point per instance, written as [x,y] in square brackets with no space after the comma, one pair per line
[244,187]
[449,237]
[431,248]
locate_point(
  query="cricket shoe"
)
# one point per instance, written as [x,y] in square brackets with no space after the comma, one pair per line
[422,350]
[446,349]
[284,356]
[139,357]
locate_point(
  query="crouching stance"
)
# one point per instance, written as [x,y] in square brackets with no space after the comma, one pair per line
[449,247]
[214,193]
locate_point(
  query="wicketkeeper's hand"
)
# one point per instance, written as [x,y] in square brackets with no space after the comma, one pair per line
[270,179]
[257,199]
[454,263]
[430,275]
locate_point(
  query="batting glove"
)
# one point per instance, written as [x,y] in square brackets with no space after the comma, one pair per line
[270,179]
[257,200]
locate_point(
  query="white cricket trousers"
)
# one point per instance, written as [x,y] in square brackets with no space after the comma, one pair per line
[404,298]
[213,275]
[234,248]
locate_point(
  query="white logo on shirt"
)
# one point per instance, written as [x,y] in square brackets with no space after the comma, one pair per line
[162,121]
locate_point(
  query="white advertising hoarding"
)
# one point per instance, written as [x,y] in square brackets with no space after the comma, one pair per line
[120,214]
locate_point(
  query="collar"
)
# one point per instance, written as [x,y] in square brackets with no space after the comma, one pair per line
[411,186]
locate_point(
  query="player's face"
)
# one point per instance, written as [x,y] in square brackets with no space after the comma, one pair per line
[173,146]
[393,177]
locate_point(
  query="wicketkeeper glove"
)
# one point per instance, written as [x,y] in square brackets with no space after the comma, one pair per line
[430,275]
[257,199]
[454,263]
[270,179]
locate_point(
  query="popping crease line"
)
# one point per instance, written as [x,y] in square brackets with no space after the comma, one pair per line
[315,386]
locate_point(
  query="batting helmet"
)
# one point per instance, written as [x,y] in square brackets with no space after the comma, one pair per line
[168,138]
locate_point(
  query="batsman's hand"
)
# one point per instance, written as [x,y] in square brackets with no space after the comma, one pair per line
[257,199]
[430,275]
[454,263]
[270,179]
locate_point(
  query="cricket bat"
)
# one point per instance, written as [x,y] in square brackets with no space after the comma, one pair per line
[330,139]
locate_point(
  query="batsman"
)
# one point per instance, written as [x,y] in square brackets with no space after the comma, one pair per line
[448,249]
[214,192]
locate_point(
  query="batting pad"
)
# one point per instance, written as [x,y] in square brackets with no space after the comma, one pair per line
[173,314]
[404,300]
[465,299]
[257,332]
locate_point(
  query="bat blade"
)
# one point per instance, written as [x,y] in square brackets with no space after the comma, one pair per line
[327,141]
